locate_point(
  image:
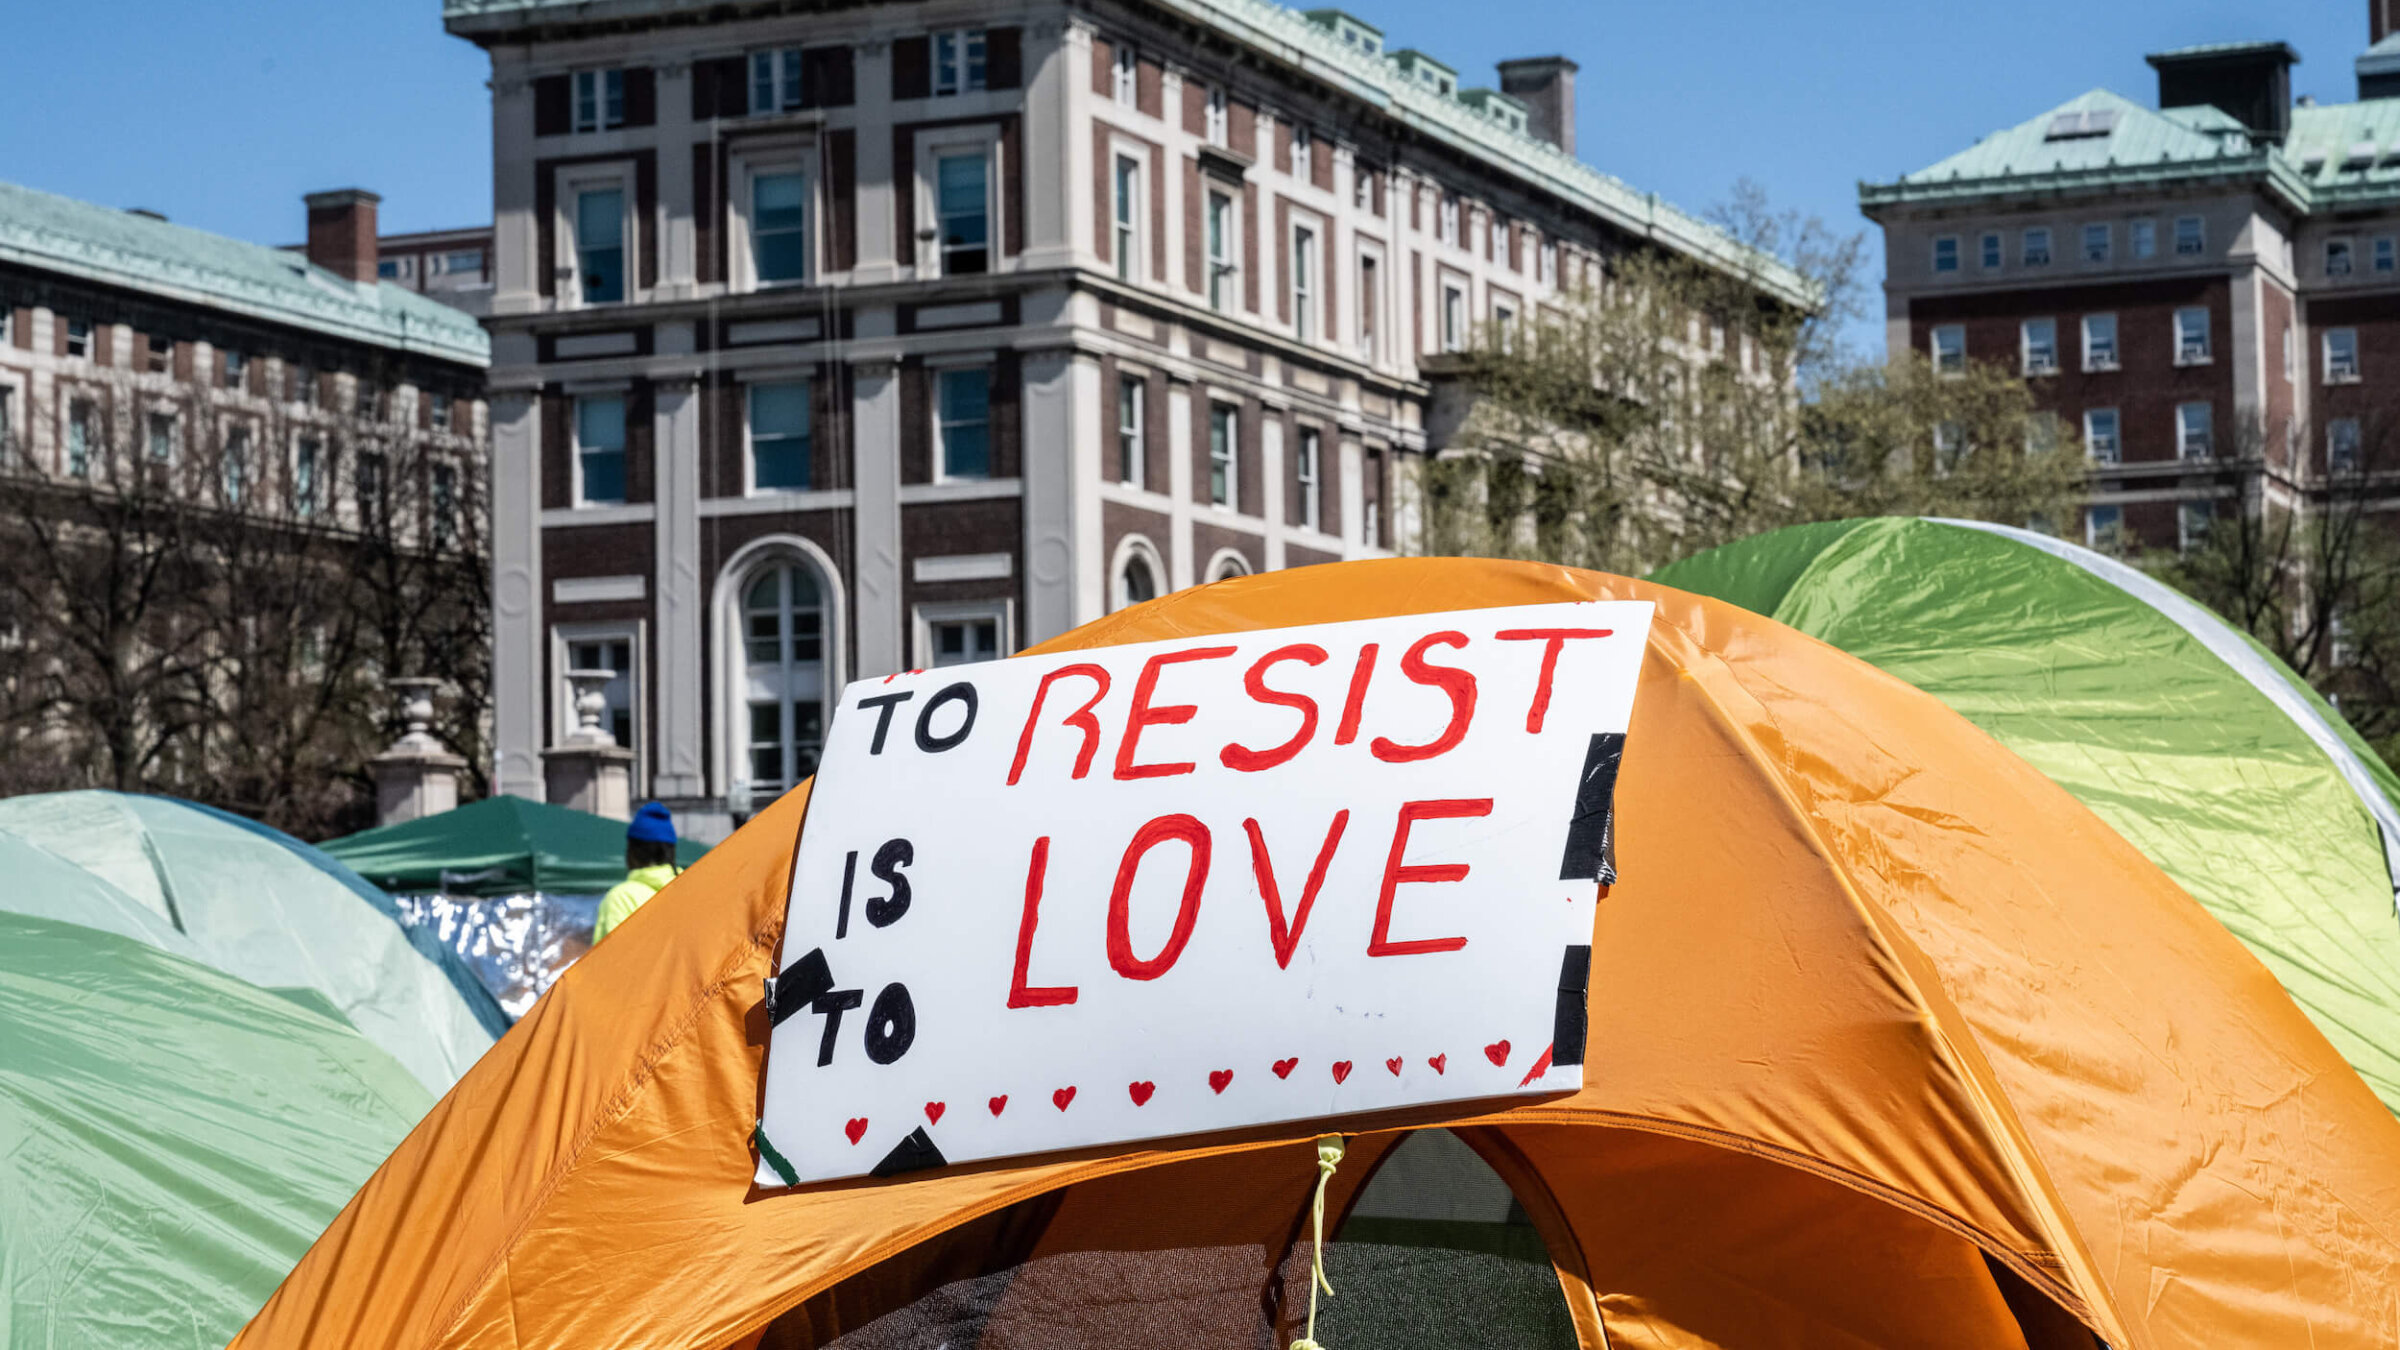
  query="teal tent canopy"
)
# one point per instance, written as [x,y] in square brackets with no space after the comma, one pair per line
[254,903]
[2196,744]
[172,1139]
[497,846]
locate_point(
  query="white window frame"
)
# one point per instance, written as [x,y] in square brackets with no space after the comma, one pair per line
[2198,236]
[1132,437]
[950,142]
[1993,254]
[1127,198]
[1368,311]
[1220,266]
[2105,235]
[2344,248]
[2036,247]
[1549,263]
[1454,315]
[2342,433]
[1129,548]
[2093,531]
[1002,613]
[2026,348]
[1307,264]
[2385,254]
[2187,354]
[2186,538]
[2092,440]
[933,413]
[2341,372]
[1125,75]
[2291,351]
[572,182]
[1308,472]
[785,80]
[750,385]
[747,168]
[1449,220]
[309,498]
[2206,421]
[635,632]
[1946,247]
[152,416]
[1215,119]
[962,78]
[2141,238]
[1232,415]
[575,448]
[2091,358]
[1304,151]
[73,322]
[594,86]
[1934,347]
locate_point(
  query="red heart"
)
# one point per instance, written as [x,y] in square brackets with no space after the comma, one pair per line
[1394,1065]
[1440,1062]
[1218,1080]
[998,1104]
[1496,1052]
[855,1128]
[1341,1070]
[1283,1067]
[1140,1092]
[933,1111]
[1061,1097]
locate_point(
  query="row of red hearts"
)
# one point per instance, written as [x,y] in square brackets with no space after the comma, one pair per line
[1218,1081]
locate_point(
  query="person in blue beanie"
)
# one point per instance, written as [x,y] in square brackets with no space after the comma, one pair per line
[649,866]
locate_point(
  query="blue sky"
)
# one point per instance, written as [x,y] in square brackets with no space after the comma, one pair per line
[222,116]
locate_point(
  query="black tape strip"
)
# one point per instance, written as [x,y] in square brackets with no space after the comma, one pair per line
[913,1154]
[809,979]
[1591,852]
[1572,1022]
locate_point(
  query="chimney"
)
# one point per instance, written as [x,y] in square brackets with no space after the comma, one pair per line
[2249,81]
[2383,20]
[2379,68]
[341,232]
[1546,86]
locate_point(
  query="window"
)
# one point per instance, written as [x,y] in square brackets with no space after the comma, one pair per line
[599,450]
[8,425]
[2042,433]
[2097,240]
[2099,342]
[1132,394]
[1136,582]
[1949,447]
[2037,246]
[1549,263]
[2291,354]
[960,641]
[79,337]
[1126,85]
[1454,319]
[779,227]
[374,491]
[162,437]
[1304,282]
[2039,340]
[783,647]
[1945,253]
[2192,520]
[600,244]
[1367,283]
[2341,445]
[1223,441]
[1216,119]
[2142,238]
[1127,214]
[362,392]
[964,426]
[774,82]
[159,354]
[304,476]
[962,205]
[2337,257]
[2341,355]
[1950,348]
[387,269]
[779,437]
[2100,443]
[2387,253]
[1504,328]
[958,62]
[2191,337]
[438,411]
[2104,528]
[1362,190]
[1221,231]
[1991,251]
[1303,151]
[2191,236]
[444,505]
[79,438]
[599,99]
[615,655]
[463,262]
[304,386]
[237,370]
[1449,224]
[237,464]
[1306,470]
[2194,430]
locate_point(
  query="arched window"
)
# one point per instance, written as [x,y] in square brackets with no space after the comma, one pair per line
[1228,564]
[782,691]
[1136,582]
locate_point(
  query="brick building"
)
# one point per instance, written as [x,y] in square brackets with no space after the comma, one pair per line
[2206,293]
[836,342]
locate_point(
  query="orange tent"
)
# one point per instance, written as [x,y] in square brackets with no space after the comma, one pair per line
[1891,1043]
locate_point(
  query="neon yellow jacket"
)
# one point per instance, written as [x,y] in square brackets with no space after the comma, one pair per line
[628,895]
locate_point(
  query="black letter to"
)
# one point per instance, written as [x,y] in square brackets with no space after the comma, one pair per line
[884,911]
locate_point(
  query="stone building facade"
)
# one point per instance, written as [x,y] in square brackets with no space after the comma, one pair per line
[832,342]
[2206,294]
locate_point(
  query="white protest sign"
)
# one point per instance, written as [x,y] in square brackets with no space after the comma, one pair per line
[1153,890]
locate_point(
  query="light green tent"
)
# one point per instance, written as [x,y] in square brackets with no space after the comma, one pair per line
[2202,749]
[258,905]
[171,1138]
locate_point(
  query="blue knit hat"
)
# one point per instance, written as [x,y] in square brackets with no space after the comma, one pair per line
[652,825]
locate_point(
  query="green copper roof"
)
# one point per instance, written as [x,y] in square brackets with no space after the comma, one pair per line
[1298,41]
[50,233]
[2358,144]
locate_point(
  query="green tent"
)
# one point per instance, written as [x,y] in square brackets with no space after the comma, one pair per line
[2201,748]
[258,905]
[171,1138]
[497,846]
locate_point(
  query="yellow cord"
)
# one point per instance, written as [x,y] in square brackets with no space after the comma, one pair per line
[1329,1156]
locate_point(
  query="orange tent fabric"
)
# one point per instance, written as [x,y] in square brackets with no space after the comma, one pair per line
[1892,1043]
